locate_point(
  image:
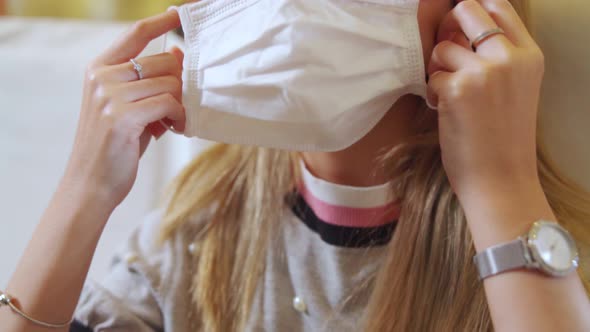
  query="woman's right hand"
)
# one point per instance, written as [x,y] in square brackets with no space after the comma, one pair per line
[120,113]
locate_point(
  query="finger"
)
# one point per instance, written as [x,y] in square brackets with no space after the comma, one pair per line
[156,108]
[451,57]
[138,37]
[129,92]
[163,64]
[179,54]
[437,86]
[471,18]
[504,14]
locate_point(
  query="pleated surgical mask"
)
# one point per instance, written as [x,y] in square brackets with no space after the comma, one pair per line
[306,75]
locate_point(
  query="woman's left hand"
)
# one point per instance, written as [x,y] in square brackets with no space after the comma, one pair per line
[487,99]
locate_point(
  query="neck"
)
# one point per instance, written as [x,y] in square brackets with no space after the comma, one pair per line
[358,165]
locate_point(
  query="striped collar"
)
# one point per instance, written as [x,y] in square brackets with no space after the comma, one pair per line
[344,215]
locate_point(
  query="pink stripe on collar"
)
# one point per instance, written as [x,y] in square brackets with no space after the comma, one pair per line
[350,216]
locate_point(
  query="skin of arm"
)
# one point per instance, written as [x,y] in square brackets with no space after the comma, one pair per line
[523,300]
[49,278]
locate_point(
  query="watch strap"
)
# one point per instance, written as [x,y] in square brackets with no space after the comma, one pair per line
[502,257]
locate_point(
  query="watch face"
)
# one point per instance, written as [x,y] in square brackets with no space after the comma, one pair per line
[553,248]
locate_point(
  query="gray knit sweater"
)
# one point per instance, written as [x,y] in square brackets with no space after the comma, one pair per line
[306,289]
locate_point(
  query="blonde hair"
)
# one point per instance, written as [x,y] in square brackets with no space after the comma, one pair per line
[239,192]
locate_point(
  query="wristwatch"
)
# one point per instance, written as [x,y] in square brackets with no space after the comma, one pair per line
[547,247]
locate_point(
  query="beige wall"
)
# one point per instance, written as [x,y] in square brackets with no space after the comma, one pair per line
[100,9]
[563,29]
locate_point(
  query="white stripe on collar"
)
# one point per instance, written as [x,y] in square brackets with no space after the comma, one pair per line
[342,195]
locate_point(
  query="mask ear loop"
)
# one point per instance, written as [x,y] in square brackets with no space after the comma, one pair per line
[164,44]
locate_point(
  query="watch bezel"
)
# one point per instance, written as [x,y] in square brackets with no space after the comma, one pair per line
[538,259]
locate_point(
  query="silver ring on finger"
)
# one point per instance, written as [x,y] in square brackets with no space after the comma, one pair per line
[138,68]
[484,36]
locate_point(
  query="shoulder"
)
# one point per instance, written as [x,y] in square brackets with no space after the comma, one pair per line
[145,288]
[160,262]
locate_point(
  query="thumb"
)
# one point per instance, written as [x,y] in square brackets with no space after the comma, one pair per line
[177,52]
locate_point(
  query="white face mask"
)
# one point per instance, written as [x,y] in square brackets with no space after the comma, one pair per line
[307,75]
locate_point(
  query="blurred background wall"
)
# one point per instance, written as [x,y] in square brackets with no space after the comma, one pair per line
[95,9]
[561,28]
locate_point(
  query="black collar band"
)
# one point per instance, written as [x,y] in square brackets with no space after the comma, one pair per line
[342,236]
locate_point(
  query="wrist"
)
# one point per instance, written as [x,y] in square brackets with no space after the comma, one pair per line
[87,190]
[83,201]
[503,211]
